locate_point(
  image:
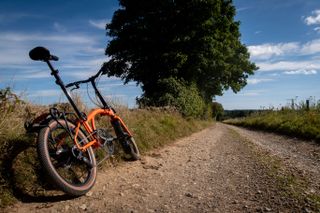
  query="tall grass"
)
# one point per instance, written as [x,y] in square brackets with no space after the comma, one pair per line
[155,127]
[20,175]
[298,123]
[12,140]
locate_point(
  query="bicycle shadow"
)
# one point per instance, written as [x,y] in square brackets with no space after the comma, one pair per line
[23,174]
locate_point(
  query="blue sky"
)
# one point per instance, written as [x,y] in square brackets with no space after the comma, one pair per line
[283,38]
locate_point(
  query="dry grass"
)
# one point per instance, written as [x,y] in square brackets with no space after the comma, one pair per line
[21,177]
[12,140]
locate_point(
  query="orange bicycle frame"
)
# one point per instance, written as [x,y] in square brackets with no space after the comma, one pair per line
[90,127]
[89,122]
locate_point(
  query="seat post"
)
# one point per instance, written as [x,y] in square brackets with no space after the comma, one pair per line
[59,82]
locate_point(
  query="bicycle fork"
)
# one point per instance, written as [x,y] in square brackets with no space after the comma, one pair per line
[122,135]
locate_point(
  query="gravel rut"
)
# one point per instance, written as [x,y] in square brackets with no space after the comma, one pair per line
[211,171]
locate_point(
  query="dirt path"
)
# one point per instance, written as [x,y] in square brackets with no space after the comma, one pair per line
[303,156]
[214,170]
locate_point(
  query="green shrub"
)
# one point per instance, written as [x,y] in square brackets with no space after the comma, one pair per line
[177,93]
[217,111]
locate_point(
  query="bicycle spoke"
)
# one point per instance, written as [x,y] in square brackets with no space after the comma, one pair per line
[68,167]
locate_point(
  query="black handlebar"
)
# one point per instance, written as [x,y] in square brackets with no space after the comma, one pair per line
[91,79]
[77,83]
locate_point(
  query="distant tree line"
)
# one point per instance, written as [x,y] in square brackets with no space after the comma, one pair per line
[227,114]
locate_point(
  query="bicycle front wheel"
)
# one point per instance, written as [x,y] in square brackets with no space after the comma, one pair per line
[133,152]
[72,171]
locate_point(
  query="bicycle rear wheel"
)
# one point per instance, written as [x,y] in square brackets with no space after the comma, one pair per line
[72,171]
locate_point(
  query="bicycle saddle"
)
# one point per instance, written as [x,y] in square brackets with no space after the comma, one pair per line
[42,54]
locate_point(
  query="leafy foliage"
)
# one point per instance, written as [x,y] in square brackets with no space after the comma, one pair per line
[217,111]
[196,42]
[174,92]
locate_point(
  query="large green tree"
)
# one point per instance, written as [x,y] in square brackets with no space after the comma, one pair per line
[196,42]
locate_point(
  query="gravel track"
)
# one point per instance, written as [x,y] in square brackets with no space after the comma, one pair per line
[213,170]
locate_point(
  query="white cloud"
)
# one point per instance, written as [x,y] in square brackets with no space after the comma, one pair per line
[71,48]
[243,9]
[100,24]
[80,56]
[12,17]
[58,27]
[314,18]
[301,72]
[259,80]
[311,47]
[46,93]
[14,46]
[266,51]
[80,74]
[33,75]
[70,38]
[274,74]
[289,65]
[250,93]
[317,29]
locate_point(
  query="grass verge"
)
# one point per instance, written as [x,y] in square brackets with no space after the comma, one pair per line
[302,123]
[21,177]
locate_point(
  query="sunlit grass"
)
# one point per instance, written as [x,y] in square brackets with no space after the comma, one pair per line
[21,176]
[297,123]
